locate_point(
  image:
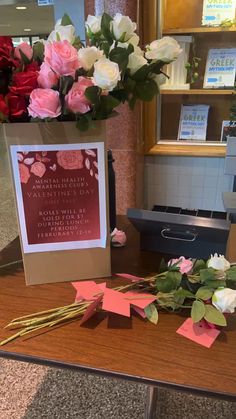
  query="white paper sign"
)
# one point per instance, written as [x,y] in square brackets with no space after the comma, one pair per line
[45,2]
[193,122]
[215,11]
[61,198]
[220,68]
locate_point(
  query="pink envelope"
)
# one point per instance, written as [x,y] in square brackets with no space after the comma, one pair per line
[115,302]
[91,310]
[198,332]
[140,311]
[137,299]
[87,290]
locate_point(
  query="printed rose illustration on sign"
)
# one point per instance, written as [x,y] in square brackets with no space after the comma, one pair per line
[60,196]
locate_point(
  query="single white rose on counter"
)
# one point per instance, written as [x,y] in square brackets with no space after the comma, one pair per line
[136,61]
[166,49]
[106,74]
[218,262]
[93,24]
[88,56]
[62,33]
[122,27]
[224,299]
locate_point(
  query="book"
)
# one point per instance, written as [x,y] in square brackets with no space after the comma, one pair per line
[216,11]
[193,122]
[220,68]
[228,130]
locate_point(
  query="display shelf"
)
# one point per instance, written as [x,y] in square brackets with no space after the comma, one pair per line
[201,150]
[179,31]
[198,92]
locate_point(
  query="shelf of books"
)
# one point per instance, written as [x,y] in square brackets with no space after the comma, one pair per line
[198,92]
[199,95]
[206,29]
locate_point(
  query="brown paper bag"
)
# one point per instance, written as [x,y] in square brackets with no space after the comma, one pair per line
[59,265]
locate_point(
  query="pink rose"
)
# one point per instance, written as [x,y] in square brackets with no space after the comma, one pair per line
[44,103]
[185,265]
[26,49]
[118,238]
[24,173]
[38,169]
[76,100]
[70,160]
[47,77]
[62,57]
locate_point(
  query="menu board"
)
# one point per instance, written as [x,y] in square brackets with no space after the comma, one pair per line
[216,11]
[193,122]
[60,192]
[220,68]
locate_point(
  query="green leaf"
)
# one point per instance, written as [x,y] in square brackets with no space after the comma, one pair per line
[204,293]
[120,95]
[105,106]
[120,56]
[198,265]
[92,93]
[66,83]
[66,20]
[215,283]
[38,51]
[105,27]
[77,44]
[151,313]
[184,293]
[141,74]
[207,274]
[214,316]
[198,311]
[83,123]
[146,90]
[105,46]
[231,274]
[168,282]
[129,84]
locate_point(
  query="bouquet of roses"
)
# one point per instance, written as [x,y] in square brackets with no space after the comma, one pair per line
[63,79]
[206,288]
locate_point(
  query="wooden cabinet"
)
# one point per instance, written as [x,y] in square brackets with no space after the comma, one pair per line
[174,18]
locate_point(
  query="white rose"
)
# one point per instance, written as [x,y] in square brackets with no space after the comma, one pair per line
[166,49]
[106,74]
[218,262]
[88,56]
[125,45]
[62,33]
[134,40]
[93,23]
[224,299]
[122,27]
[136,61]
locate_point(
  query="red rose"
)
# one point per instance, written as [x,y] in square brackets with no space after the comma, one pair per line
[17,106]
[24,82]
[34,66]
[6,52]
[4,110]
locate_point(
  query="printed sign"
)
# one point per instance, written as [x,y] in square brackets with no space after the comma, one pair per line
[45,2]
[220,68]
[60,191]
[216,11]
[193,122]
